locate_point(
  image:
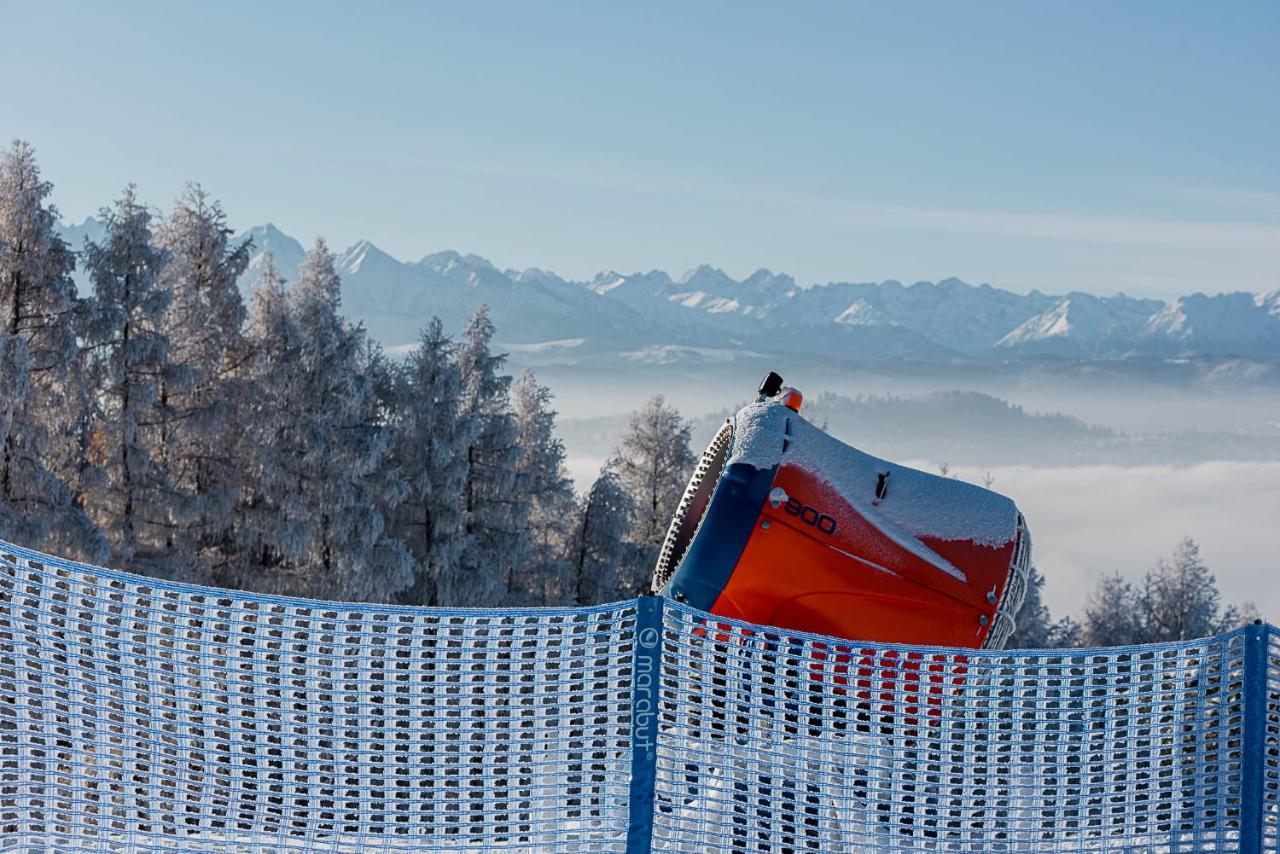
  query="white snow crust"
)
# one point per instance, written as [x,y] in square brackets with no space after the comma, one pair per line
[917,503]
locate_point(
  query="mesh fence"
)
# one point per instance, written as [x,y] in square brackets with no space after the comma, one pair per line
[788,742]
[138,715]
[1269,747]
[142,716]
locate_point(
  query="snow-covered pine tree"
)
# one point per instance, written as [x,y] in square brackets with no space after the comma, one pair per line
[313,526]
[1032,622]
[203,324]
[132,498]
[542,481]
[1179,597]
[654,463]
[493,514]
[1235,616]
[1112,615]
[37,295]
[39,359]
[430,452]
[601,567]
[269,527]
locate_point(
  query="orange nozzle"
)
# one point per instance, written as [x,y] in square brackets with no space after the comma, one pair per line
[792,399]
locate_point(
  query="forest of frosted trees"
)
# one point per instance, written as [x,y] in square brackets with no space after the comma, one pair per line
[1177,599]
[161,424]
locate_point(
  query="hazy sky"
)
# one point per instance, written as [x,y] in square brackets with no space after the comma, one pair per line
[1097,146]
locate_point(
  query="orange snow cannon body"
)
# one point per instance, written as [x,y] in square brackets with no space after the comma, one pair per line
[784,525]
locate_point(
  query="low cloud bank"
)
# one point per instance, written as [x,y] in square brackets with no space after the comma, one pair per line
[1090,520]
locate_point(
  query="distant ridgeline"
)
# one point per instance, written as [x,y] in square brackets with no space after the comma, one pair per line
[768,312]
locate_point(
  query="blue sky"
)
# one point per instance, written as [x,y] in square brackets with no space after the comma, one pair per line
[1102,147]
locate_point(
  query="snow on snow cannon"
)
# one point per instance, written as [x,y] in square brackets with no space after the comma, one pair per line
[784,525]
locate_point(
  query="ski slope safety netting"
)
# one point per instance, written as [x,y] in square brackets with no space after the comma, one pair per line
[139,715]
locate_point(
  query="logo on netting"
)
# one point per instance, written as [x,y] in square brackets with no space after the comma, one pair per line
[644,700]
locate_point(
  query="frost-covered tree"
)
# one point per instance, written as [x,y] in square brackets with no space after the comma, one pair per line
[430,452]
[202,269]
[1179,597]
[493,513]
[542,482]
[1235,616]
[263,533]
[601,563]
[654,463]
[39,362]
[1066,633]
[1111,614]
[203,324]
[1035,626]
[37,295]
[319,443]
[132,499]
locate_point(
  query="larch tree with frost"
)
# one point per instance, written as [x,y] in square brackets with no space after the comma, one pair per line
[430,451]
[322,443]
[131,496]
[268,528]
[601,565]
[1111,614]
[1177,599]
[204,325]
[542,481]
[39,365]
[1180,598]
[493,513]
[654,462]
[344,441]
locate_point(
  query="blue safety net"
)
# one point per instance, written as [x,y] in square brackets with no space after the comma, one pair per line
[139,715]
[779,741]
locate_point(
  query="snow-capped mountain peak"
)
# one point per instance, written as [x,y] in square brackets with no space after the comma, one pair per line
[287,252]
[862,313]
[607,281]
[1079,323]
[706,277]
[362,255]
[1231,324]
[708,308]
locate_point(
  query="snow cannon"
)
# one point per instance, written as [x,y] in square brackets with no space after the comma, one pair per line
[784,525]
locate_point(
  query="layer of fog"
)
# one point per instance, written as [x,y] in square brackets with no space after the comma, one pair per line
[972,428]
[1139,465]
[1087,520]
[1120,396]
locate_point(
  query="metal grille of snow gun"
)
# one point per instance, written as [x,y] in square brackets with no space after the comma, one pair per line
[782,524]
[1015,591]
[693,505]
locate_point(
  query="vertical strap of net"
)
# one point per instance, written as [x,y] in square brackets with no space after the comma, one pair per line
[1254,738]
[646,671]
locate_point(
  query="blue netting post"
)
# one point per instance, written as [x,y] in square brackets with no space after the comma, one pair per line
[646,669]
[1255,736]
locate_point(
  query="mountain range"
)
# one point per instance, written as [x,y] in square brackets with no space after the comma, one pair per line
[650,315]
